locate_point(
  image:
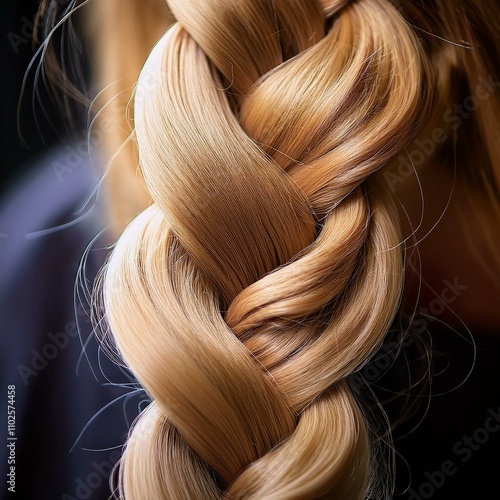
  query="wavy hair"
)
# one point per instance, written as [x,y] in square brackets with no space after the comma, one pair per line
[270,264]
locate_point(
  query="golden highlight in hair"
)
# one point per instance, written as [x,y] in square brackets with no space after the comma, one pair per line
[269,266]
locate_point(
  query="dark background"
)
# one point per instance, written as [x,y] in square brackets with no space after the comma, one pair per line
[16,51]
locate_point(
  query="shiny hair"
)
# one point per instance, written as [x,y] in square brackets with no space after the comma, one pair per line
[269,265]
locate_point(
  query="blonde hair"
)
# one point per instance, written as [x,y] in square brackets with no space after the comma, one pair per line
[269,266]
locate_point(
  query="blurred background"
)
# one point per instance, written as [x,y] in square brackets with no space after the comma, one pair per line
[17,20]
[71,407]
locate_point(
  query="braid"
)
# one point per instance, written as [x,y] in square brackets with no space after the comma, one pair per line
[269,267]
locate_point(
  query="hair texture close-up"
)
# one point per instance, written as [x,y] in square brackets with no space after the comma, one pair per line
[270,263]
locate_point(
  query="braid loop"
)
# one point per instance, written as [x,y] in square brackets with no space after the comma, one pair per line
[269,267]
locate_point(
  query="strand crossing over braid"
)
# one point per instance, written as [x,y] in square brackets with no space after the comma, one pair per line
[269,267]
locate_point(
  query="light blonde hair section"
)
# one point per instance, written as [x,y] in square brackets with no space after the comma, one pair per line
[269,267]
